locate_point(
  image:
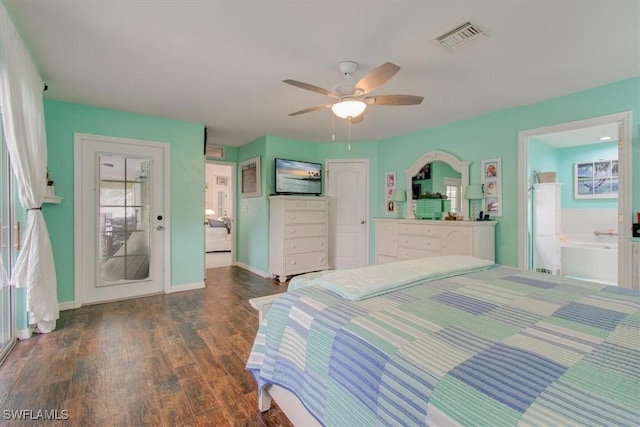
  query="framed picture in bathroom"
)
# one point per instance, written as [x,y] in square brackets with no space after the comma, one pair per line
[596,180]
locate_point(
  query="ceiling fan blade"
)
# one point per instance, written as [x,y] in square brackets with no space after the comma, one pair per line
[310,109]
[310,87]
[377,77]
[395,100]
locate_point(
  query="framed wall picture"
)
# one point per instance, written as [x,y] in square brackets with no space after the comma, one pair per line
[250,177]
[596,180]
[492,187]
[389,188]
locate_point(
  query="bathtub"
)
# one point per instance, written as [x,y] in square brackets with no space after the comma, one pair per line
[592,261]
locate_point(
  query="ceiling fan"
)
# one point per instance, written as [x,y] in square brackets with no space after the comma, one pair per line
[350,101]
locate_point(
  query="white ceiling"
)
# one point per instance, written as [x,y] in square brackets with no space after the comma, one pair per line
[583,136]
[221,63]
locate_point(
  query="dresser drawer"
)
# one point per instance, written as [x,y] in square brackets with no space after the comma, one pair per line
[407,253]
[312,230]
[308,261]
[304,205]
[433,244]
[385,259]
[305,217]
[298,246]
[316,205]
[420,230]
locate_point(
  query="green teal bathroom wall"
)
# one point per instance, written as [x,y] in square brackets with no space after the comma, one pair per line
[542,157]
[187,183]
[495,135]
[567,157]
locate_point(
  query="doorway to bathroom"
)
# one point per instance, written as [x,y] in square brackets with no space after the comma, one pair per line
[575,199]
[219,214]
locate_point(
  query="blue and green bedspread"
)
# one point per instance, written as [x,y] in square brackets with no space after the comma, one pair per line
[493,347]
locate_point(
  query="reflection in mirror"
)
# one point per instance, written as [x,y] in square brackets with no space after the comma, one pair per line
[438,174]
[432,179]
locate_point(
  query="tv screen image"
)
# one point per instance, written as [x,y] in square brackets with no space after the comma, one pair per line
[298,177]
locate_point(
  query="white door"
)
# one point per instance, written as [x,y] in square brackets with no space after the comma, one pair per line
[120,218]
[7,253]
[348,189]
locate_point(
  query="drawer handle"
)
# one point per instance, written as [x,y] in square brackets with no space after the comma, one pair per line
[321,243]
[320,258]
[293,246]
[293,217]
[293,231]
[293,263]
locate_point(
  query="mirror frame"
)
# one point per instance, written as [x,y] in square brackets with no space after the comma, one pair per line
[462,167]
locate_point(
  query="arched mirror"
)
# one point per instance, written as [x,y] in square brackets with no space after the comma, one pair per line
[438,172]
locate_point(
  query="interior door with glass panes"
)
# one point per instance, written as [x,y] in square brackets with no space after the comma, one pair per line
[7,330]
[123,220]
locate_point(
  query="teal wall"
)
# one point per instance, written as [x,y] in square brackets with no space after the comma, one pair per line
[253,213]
[490,136]
[496,135]
[546,158]
[542,157]
[187,183]
[567,157]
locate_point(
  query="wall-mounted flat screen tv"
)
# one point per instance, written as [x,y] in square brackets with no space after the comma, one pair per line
[298,177]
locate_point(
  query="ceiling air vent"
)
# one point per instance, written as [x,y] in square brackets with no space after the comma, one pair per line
[460,35]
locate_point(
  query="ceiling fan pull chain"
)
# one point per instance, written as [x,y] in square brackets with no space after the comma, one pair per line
[349,144]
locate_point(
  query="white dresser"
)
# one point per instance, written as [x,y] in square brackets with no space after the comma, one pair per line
[298,235]
[398,239]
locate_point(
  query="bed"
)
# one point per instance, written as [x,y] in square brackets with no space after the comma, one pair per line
[217,236]
[449,341]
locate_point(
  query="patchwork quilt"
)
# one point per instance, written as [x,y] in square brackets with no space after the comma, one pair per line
[493,347]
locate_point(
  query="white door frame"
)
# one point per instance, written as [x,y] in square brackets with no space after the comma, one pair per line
[232,203]
[79,239]
[625,186]
[367,197]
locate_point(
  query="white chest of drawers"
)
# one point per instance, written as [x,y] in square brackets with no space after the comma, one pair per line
[398,239]
[298,235]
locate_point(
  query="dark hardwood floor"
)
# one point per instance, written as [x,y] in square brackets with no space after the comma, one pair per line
[165,360]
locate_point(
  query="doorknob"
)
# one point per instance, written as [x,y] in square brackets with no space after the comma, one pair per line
[363,221]
[160,227]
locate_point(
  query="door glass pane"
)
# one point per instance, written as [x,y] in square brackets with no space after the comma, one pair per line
[124,219]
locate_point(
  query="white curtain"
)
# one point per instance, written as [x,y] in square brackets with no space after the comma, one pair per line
[23,117]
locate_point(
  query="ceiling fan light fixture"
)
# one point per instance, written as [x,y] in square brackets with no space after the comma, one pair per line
[348,108]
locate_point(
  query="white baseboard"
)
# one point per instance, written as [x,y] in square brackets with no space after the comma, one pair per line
[23,334]
[253,270]
[186,287]
[67,305]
